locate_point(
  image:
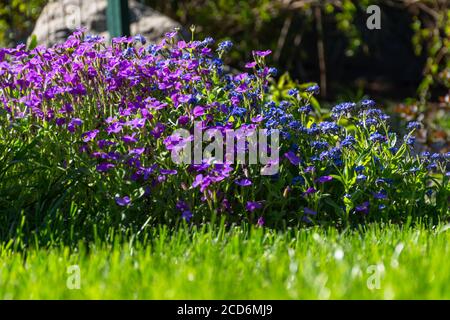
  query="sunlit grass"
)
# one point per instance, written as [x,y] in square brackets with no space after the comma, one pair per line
[412,263]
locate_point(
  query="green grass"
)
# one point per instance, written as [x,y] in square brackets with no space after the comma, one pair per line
[239,264]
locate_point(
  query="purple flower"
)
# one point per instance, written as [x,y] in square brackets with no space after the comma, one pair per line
[183,120]
[129,138]
[114,128]
[250,65]
[364,207]
[89,135]
[136,151]
[262,53]
[73,124]
[183,207]
[124,201]
[257,119]
[158,130]
[243,182]
[309,211]
[260,222]
[168,172]
[309,191]
[253,205]
[380,195]
[186,215]
[105,166]
[310,169]
[291,156]
[201,181]
[324,179]
[198,111]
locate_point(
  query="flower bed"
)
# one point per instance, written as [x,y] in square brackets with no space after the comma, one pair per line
[110,112]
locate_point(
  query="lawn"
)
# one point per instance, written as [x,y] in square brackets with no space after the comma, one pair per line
[111,188]
[379,262]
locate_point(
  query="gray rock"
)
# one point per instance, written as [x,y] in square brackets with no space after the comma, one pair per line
[60,18]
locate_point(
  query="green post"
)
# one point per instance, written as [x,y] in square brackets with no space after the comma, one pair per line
[118,18]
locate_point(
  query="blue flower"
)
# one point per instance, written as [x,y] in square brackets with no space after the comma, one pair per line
[425,154]
[380,195]
[409,140]
[436,157]
[376,137]
[369,122]
[323,155]
[186,215]
[315,89]
[359,169]
[305,109]
[348,142]
[313,130]
[364,207]
[324,179]
[319,145]
[374,113]
[328,127]
[140,38]
[393,150]
[225,46]
[361,178]
[295,124]
[367,103]
[208,41]
[342,109]
[273,72]
[92,38]
[128,53]
[292,92]
[124,201]
[414,169]
[238,111]
[413,125]
[285,104]
[309,211]
[387,181]
[298,180]
[293,158]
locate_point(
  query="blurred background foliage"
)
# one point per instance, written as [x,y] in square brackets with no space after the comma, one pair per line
[17,18]
[405,65]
